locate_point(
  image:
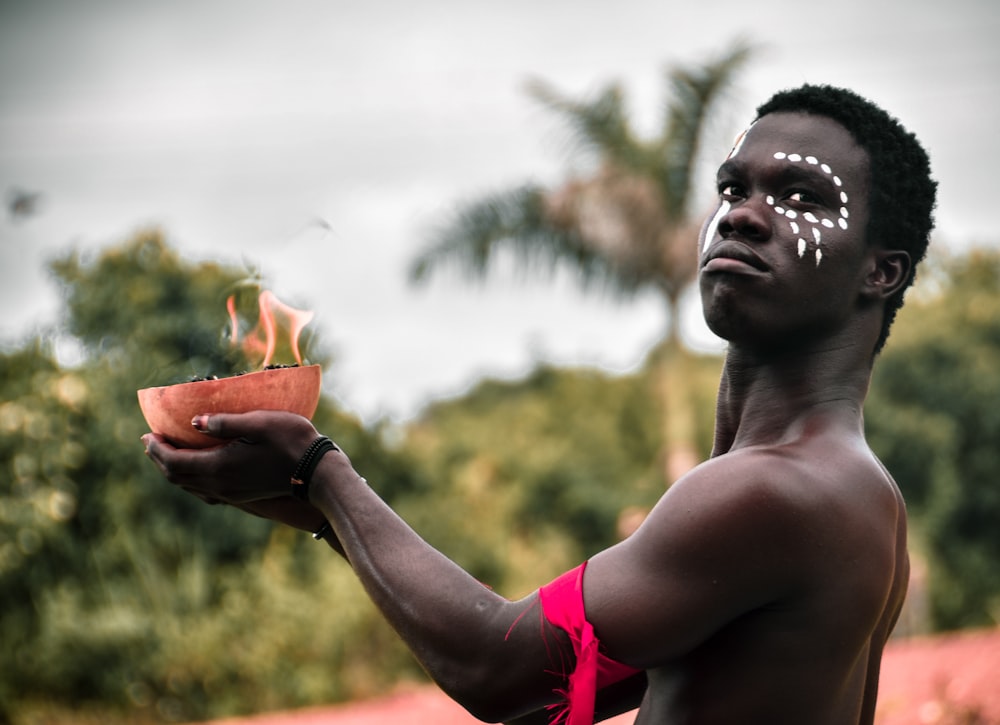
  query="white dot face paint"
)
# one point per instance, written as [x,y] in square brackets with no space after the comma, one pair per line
[814,222]
[806,218]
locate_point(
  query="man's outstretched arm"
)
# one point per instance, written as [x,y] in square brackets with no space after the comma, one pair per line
[653,597]
[462,632]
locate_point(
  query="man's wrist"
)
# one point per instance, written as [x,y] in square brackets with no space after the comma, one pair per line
[306,466]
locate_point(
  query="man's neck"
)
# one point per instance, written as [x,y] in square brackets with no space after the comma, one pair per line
[767,398]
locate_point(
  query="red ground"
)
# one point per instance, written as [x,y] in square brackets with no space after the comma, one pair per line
[945,680]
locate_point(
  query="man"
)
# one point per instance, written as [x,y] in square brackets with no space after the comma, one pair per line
[764,584]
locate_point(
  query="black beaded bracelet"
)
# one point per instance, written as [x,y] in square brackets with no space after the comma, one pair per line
[322,531]
[307,464]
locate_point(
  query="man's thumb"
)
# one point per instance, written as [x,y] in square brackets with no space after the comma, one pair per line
[223,425]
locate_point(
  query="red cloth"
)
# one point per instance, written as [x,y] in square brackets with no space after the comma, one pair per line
[562,606]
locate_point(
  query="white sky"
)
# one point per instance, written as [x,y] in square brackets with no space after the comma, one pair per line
[233,125]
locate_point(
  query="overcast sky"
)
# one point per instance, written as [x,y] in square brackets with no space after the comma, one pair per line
[236,126]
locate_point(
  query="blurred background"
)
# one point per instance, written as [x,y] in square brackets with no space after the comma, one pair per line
[431,179]
[320,143]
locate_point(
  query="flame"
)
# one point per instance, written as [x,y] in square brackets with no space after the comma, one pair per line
[264,337]
[234,336]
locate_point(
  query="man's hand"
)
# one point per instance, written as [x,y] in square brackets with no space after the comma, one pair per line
[253,462]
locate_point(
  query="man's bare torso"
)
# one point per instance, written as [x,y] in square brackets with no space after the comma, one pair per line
[812,653]
[808,649]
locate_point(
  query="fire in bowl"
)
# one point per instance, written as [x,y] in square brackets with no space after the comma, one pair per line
[169,409]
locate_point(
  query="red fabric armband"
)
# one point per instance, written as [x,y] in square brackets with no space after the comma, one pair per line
[562,606]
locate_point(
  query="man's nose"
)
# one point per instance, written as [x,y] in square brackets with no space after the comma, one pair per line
[749,219]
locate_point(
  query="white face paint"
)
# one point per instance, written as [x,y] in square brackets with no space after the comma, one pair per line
[738,143]
[814,223]
[713,225]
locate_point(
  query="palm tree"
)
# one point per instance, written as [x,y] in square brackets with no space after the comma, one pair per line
[628,225]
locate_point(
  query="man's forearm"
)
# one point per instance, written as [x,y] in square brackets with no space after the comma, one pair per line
[456,627]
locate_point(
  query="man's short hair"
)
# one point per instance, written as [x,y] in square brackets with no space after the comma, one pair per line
[902,196]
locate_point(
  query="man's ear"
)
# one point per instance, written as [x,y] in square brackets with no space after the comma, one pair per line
[888,272]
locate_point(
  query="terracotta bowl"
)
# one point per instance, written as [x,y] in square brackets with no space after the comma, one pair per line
[169,409]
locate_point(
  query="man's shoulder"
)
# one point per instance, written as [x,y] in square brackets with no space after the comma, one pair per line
[755,528]
[785,490]
[748,473]
[828,465]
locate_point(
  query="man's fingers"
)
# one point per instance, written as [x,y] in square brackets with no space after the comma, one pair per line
[252,427]
[226,425]
[176,464]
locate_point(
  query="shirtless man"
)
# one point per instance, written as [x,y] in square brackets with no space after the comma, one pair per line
[763,585]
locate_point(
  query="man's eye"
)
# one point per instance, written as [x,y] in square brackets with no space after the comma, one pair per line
[803,197]
[730,190]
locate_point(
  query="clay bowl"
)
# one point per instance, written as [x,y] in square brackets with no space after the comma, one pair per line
[169,409]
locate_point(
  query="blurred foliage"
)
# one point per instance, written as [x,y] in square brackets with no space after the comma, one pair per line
[124,598]
[933,418]
[119,591]
[560,465]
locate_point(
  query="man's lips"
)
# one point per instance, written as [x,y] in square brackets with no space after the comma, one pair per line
[735,257]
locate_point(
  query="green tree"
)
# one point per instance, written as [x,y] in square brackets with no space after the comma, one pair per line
[104,540]
[543,472]
[629,225]
[121,592]
[933,418]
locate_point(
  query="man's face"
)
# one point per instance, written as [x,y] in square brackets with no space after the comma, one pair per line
[781,256]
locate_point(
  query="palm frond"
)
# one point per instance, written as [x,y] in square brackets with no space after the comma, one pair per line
[520,221]
[627,225]
[599,125]
[693,91]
